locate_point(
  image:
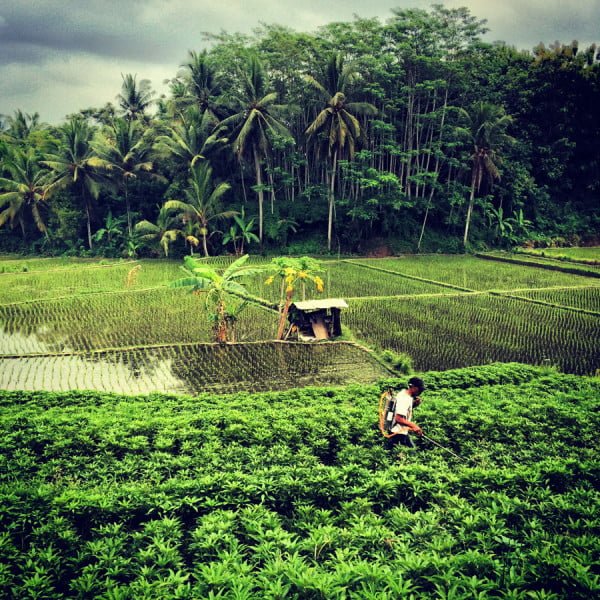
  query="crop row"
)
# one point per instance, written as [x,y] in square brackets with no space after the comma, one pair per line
[84,323]
[450,332]
[17,264]
[585,255]
[477,274]
[47,285]
[582,298]
[293,495]
[194,368]
[551,264]
[345,280]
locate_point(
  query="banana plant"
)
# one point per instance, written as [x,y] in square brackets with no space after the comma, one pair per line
[220,288]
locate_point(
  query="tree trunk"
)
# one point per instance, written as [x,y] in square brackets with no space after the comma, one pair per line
[284,314]
[436,169]
[127,208]
[89,224]
[470,207]
[331,201]
[261,196]
[221,333]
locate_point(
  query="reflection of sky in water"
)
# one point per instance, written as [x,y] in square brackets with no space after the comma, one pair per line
[62,373]
[191,369]
[19,343]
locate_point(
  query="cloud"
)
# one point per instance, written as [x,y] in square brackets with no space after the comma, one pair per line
[525,23]
[59,56]
[64,86]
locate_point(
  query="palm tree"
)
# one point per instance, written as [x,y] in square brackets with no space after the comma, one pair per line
[219,288]
[240,233]
[190,139]
[202,201]
[21,125]
[24,189]
[485,129]
[253,123]
[75,165]
[202,86]
[135,98]
[336,129]
[123,151]
[164,232]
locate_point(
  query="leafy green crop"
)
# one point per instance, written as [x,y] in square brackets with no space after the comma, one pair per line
[292,495]
[475,274]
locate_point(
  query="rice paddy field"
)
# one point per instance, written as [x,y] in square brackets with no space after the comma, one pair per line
[117,320]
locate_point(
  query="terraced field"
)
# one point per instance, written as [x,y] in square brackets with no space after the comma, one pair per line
[59,317]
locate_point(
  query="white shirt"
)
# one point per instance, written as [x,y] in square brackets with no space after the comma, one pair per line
[404,408]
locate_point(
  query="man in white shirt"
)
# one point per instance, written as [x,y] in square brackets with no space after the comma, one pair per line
[406,401]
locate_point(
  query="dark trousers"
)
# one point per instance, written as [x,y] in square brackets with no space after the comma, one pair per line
[400,439]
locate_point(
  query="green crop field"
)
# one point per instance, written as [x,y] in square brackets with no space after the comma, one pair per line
[473,273]
[121,319]
[451,331]
[589,255]
[343,279]
[584,298]
[292,495]
[441,310]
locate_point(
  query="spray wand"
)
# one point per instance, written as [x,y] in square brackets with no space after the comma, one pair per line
[442,447]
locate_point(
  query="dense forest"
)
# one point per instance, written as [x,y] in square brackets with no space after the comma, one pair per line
[408,135]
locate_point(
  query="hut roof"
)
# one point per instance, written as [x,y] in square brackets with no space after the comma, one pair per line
[310,305]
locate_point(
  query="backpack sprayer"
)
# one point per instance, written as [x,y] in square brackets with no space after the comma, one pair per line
[387,412]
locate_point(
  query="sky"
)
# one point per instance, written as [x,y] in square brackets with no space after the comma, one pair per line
[60,56]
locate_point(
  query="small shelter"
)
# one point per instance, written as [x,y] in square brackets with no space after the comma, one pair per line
[317,319]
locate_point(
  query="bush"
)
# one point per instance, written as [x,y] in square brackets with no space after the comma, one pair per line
[401,363]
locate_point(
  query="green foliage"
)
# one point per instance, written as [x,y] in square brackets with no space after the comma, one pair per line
[276,494]
[401,363]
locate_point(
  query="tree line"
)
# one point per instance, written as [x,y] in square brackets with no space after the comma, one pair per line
[412,134]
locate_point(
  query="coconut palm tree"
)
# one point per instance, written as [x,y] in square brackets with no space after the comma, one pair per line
[220,289]
[24,189]
[202,86]
[485,128]
[123,151]
[189,139]
[135,98]
[163,233]
[255,121]
[75,165]
[336,129]
[201,205]
[21,125]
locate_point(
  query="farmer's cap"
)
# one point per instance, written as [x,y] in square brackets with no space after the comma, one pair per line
[417,382]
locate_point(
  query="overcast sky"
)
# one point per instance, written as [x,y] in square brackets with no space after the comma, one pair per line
[60,56]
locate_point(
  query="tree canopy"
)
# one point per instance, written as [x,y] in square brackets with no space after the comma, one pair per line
[410,133]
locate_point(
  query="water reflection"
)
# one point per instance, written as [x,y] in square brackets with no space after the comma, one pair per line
[194,368]
[116,372]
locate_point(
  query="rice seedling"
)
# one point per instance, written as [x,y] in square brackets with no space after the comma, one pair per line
[476,274]
[454,331]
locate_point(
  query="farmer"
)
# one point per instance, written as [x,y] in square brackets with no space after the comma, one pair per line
[406,400]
